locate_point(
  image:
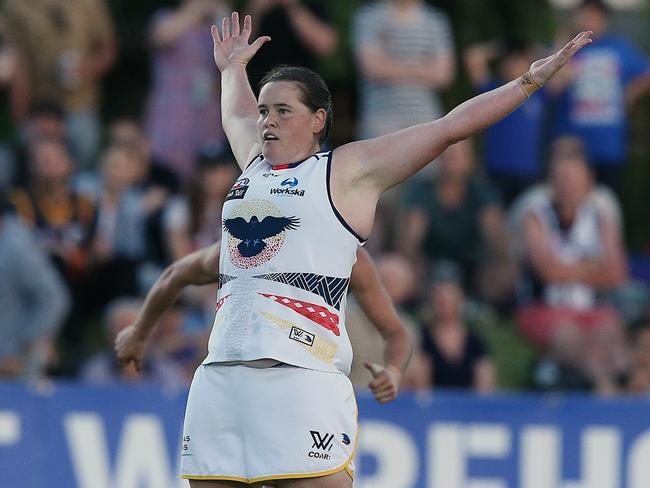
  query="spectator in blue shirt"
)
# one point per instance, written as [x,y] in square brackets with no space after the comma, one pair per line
[512,148]
[603,81]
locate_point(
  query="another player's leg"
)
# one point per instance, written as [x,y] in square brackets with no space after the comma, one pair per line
[337,480]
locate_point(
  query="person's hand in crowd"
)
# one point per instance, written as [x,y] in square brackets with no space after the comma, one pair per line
[385,381]
[543,70]
[129,347]
[231,46]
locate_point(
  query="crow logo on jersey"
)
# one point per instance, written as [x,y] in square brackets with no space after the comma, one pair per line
[253,232]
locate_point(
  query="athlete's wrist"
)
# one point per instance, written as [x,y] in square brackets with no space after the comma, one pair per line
[396,372]
[528,84]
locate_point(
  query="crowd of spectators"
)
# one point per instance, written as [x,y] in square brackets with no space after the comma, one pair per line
[521,229]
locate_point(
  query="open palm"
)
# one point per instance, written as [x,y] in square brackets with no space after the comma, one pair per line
[543,69]
[232,45]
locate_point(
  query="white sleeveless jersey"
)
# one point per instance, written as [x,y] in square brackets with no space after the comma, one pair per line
[286,259]
[581,241]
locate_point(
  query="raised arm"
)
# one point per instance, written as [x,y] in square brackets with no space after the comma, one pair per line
[385,161]
[378,307]
[239,113]
[198,268]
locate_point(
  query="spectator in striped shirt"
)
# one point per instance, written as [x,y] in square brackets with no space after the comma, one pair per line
[401,68]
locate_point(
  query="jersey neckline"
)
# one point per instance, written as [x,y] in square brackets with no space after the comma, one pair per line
[297,163]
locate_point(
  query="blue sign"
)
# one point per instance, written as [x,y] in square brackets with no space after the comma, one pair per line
[66,435]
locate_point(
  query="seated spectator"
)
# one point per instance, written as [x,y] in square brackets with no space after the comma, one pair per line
[573,253]
[158,367]
[457,357]
[456,216]
[398,278]
[513,146]
[33,301]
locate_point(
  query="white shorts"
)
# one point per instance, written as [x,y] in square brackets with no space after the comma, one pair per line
[257,425]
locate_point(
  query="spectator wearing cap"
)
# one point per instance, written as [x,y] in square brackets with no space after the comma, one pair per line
[458,357]
[601,84]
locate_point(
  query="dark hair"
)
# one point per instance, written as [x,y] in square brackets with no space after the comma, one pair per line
[597,4]
[313,89]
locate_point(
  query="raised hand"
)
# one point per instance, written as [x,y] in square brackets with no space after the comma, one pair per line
[543,70]
[232,46]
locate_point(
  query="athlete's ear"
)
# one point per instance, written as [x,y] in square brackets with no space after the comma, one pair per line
[318,121]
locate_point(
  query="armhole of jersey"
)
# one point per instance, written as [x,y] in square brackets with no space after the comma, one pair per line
[252,161]
[329,196]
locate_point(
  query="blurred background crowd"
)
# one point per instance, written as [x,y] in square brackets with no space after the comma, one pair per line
[519,259]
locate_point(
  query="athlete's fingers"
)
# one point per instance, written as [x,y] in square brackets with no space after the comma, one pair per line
[259,42]
[379,382]
[225,28]
[216,38]
[385,397]
[235,24]
[374,368]
[248,26]
[385,389]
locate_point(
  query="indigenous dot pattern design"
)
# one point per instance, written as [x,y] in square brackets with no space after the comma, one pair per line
[260,209]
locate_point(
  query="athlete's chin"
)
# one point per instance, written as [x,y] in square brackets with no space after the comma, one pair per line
[272,154]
